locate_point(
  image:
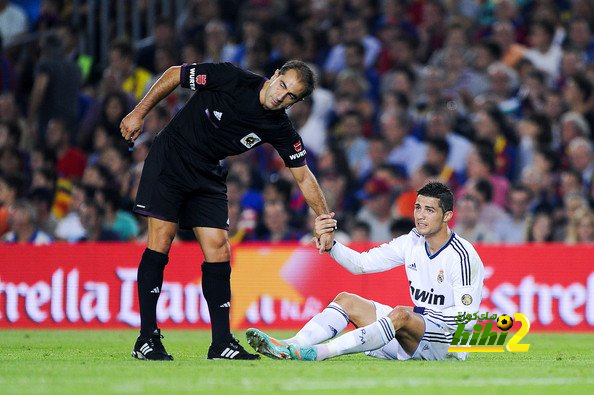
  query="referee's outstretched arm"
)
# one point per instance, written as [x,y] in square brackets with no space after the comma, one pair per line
[131,125]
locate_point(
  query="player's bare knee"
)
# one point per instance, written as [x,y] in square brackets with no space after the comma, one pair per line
[345,300]
[400,316]
[217,250]
[161,240]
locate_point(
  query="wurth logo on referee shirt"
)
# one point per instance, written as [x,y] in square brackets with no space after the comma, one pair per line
[298,155]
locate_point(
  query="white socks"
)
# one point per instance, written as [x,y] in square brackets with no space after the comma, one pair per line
[323,326]
[370,337]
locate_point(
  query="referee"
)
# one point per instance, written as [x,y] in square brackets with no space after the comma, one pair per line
[182,182]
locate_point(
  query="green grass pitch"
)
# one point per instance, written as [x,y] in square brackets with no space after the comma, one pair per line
[99,362]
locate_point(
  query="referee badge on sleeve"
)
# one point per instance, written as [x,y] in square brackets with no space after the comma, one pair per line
[250,140]
[466,299]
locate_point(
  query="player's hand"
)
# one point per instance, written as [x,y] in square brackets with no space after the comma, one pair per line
[325,223]
[131,126]
[325,242]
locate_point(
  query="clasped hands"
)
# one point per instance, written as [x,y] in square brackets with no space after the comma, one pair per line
[323,232]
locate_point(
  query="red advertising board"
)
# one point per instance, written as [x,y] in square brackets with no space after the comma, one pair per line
[94,286]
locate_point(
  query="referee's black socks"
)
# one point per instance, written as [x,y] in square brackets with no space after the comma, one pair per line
[150,281]
[216,287]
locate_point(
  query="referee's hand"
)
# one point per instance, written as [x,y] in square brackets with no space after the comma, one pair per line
[323,231]
[324,223]
[131,126]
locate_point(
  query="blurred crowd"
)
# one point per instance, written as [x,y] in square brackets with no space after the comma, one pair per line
[493,97]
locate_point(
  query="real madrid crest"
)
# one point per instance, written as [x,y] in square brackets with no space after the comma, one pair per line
[466,299]
[440,276]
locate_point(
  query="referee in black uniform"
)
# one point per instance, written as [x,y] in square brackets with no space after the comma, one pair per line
[182,182]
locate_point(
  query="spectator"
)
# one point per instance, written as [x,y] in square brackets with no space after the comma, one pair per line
[115,218]
[23,225]
[580,38]
[71,161]
[163,36]
[580,229]
[349,132]
[275,223]
[544,53]
[581,159]
[540,228]
[404,150]
[122,73]
[535,134]
[10,187]
[312,130]
[468,223]
[578,92]
[217,44]
[69,227]
[361,232]
[42,199]
[491,125]
[504,34]
[377,155]
[481,165]
[56,87]
[91,218]
[401,226]
[482,190]
[377,200]
[512,229]
[440,125]
[354,29]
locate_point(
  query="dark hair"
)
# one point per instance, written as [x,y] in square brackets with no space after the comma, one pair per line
[51,44]
[440,191]
[357,45]
[306,75]
[123,47]
[440,144]
[486,153]
[402,225]
[493,48]
[485,188]
[362,225]
[583,84]
[519,187]
[547,26]
[14,131]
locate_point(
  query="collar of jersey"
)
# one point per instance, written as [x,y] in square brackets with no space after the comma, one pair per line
[441,249]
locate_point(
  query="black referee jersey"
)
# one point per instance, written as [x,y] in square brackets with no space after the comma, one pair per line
[224,117]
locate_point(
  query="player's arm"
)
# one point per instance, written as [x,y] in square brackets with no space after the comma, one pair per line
[314,197]
[131,125]
[378,259]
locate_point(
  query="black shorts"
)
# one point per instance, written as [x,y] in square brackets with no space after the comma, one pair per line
[178,187]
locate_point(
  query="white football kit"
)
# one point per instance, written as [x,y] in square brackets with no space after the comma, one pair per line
[442,286]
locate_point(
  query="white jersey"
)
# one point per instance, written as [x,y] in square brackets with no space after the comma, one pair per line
[442,285]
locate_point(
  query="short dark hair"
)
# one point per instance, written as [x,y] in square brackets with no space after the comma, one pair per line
[583,84]
[484,188]
[440,191]
[306,75]
[440,145]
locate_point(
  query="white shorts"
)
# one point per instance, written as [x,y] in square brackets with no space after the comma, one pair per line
[432,347]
